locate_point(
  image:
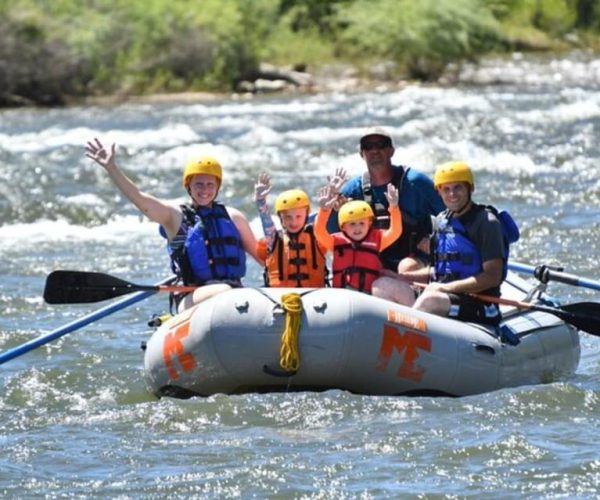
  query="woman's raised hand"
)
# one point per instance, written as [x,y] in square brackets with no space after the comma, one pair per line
[96,151]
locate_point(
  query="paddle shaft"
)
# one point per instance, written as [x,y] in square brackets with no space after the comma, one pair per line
[77,324]
[584,316]
[489,298]
[145,288]
[551,275]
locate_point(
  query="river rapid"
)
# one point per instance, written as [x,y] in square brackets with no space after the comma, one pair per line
[77,420]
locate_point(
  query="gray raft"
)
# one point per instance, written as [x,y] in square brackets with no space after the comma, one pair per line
[352,341]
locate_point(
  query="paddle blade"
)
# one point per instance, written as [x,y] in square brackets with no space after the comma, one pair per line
[584,316]
[79,287]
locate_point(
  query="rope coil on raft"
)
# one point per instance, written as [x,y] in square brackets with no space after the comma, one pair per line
[289,354]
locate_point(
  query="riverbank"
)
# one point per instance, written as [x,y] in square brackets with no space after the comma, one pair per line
[50,57]
[271,80]
[529,68]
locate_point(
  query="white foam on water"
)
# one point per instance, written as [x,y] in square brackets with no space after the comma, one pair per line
[84,199]
[434,99]
[587,109]
[259,135]
[179,155]
[56,137]
[325,135]
[120,229]
[253,107]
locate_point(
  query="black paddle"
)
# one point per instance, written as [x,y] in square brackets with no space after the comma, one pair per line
[584,316]
[80,287]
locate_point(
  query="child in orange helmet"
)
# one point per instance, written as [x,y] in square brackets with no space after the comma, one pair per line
[356,248]
[293,257]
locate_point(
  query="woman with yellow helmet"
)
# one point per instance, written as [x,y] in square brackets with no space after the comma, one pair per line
[356,248]
[293,257]
[207,241]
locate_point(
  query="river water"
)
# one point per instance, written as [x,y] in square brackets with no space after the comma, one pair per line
[77,420]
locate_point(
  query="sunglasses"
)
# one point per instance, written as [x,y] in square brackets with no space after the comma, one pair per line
[370,145]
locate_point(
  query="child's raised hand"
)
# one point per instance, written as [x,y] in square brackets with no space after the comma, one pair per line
[392,195]
[336,181]
[262,186]
[326,197]
[339,201]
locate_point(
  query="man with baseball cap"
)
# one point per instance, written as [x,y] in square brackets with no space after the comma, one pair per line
[418,199]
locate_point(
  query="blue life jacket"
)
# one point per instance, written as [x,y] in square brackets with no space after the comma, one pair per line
[208,246]
[457,257]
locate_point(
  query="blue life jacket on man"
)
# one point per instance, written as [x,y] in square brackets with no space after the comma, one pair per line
[457,257]
[208,246]
[418,202]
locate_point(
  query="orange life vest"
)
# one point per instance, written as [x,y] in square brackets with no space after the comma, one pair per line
[356,264]
[295,261]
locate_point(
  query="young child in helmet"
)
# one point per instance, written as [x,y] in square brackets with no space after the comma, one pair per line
[293,257]
[357,247]
[207,241]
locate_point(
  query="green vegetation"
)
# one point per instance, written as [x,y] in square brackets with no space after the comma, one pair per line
[55,50]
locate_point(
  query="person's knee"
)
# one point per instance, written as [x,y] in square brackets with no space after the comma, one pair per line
[381,288]
[433,302]
[206,292]
[394,290]
[409,264]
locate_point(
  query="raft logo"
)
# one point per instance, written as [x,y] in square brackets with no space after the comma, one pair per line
[173,347]
[406,320]
[408,343]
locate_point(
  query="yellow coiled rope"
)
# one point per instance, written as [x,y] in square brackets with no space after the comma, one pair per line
[289,355]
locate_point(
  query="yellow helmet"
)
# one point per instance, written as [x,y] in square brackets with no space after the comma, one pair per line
[353,211]
[293,198]
[453,171]
[202,165]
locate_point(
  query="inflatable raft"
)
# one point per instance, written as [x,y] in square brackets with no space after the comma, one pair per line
[252,340]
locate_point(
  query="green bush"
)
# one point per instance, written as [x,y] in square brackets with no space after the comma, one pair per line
[423,37]
[51,50]
[36,68]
